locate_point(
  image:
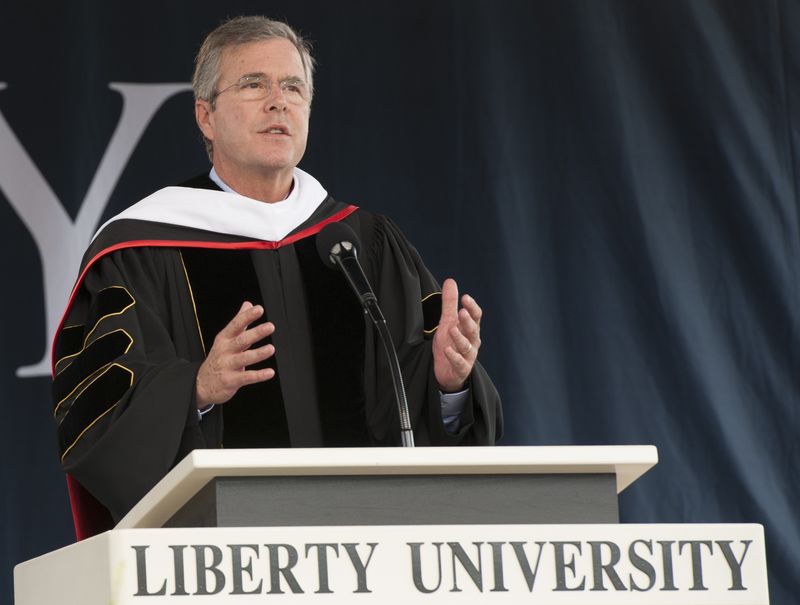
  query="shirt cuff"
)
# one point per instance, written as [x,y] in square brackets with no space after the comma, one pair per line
[453,405]
[206,410]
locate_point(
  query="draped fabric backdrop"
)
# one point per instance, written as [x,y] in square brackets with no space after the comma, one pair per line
[615,181]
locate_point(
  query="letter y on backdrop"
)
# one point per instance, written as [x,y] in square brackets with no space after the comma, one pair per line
[59,240]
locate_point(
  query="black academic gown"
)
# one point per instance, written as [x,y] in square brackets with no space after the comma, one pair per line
[151,298]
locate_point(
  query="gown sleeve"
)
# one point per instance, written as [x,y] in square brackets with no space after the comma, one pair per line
[125,364]
[410,298]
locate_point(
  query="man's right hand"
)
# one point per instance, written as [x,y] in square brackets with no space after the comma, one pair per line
[223,372]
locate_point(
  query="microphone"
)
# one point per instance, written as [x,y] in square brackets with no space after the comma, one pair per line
[338,247]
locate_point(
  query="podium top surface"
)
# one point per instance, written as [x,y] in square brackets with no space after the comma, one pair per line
[627,462]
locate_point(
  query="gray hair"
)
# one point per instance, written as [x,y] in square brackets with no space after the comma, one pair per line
[235,32]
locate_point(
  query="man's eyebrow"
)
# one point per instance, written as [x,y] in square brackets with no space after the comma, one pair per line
[263,76]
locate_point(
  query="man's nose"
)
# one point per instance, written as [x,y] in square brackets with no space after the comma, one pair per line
[276,99]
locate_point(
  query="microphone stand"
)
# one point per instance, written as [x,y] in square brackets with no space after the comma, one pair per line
[370,304]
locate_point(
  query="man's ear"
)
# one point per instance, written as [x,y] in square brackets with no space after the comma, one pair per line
[203,117]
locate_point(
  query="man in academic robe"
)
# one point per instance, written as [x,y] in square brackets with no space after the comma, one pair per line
[204,317]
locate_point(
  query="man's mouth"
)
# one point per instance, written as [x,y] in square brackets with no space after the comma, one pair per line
[275,130]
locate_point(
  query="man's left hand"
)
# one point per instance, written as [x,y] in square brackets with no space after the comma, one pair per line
[457,339]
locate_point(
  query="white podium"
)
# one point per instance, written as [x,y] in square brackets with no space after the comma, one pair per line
[393,525]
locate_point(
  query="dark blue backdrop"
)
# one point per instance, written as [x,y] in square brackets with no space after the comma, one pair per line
[615,182]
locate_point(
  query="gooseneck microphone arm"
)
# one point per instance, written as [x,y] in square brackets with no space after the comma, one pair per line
[338,246]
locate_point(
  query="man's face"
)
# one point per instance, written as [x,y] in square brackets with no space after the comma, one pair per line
[267,136]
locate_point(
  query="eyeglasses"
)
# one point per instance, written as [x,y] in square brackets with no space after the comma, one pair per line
[258,87]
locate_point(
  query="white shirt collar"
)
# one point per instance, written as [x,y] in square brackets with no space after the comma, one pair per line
[214,176]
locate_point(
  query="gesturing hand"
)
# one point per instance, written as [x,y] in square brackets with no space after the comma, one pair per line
[457,339]
[223,372]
